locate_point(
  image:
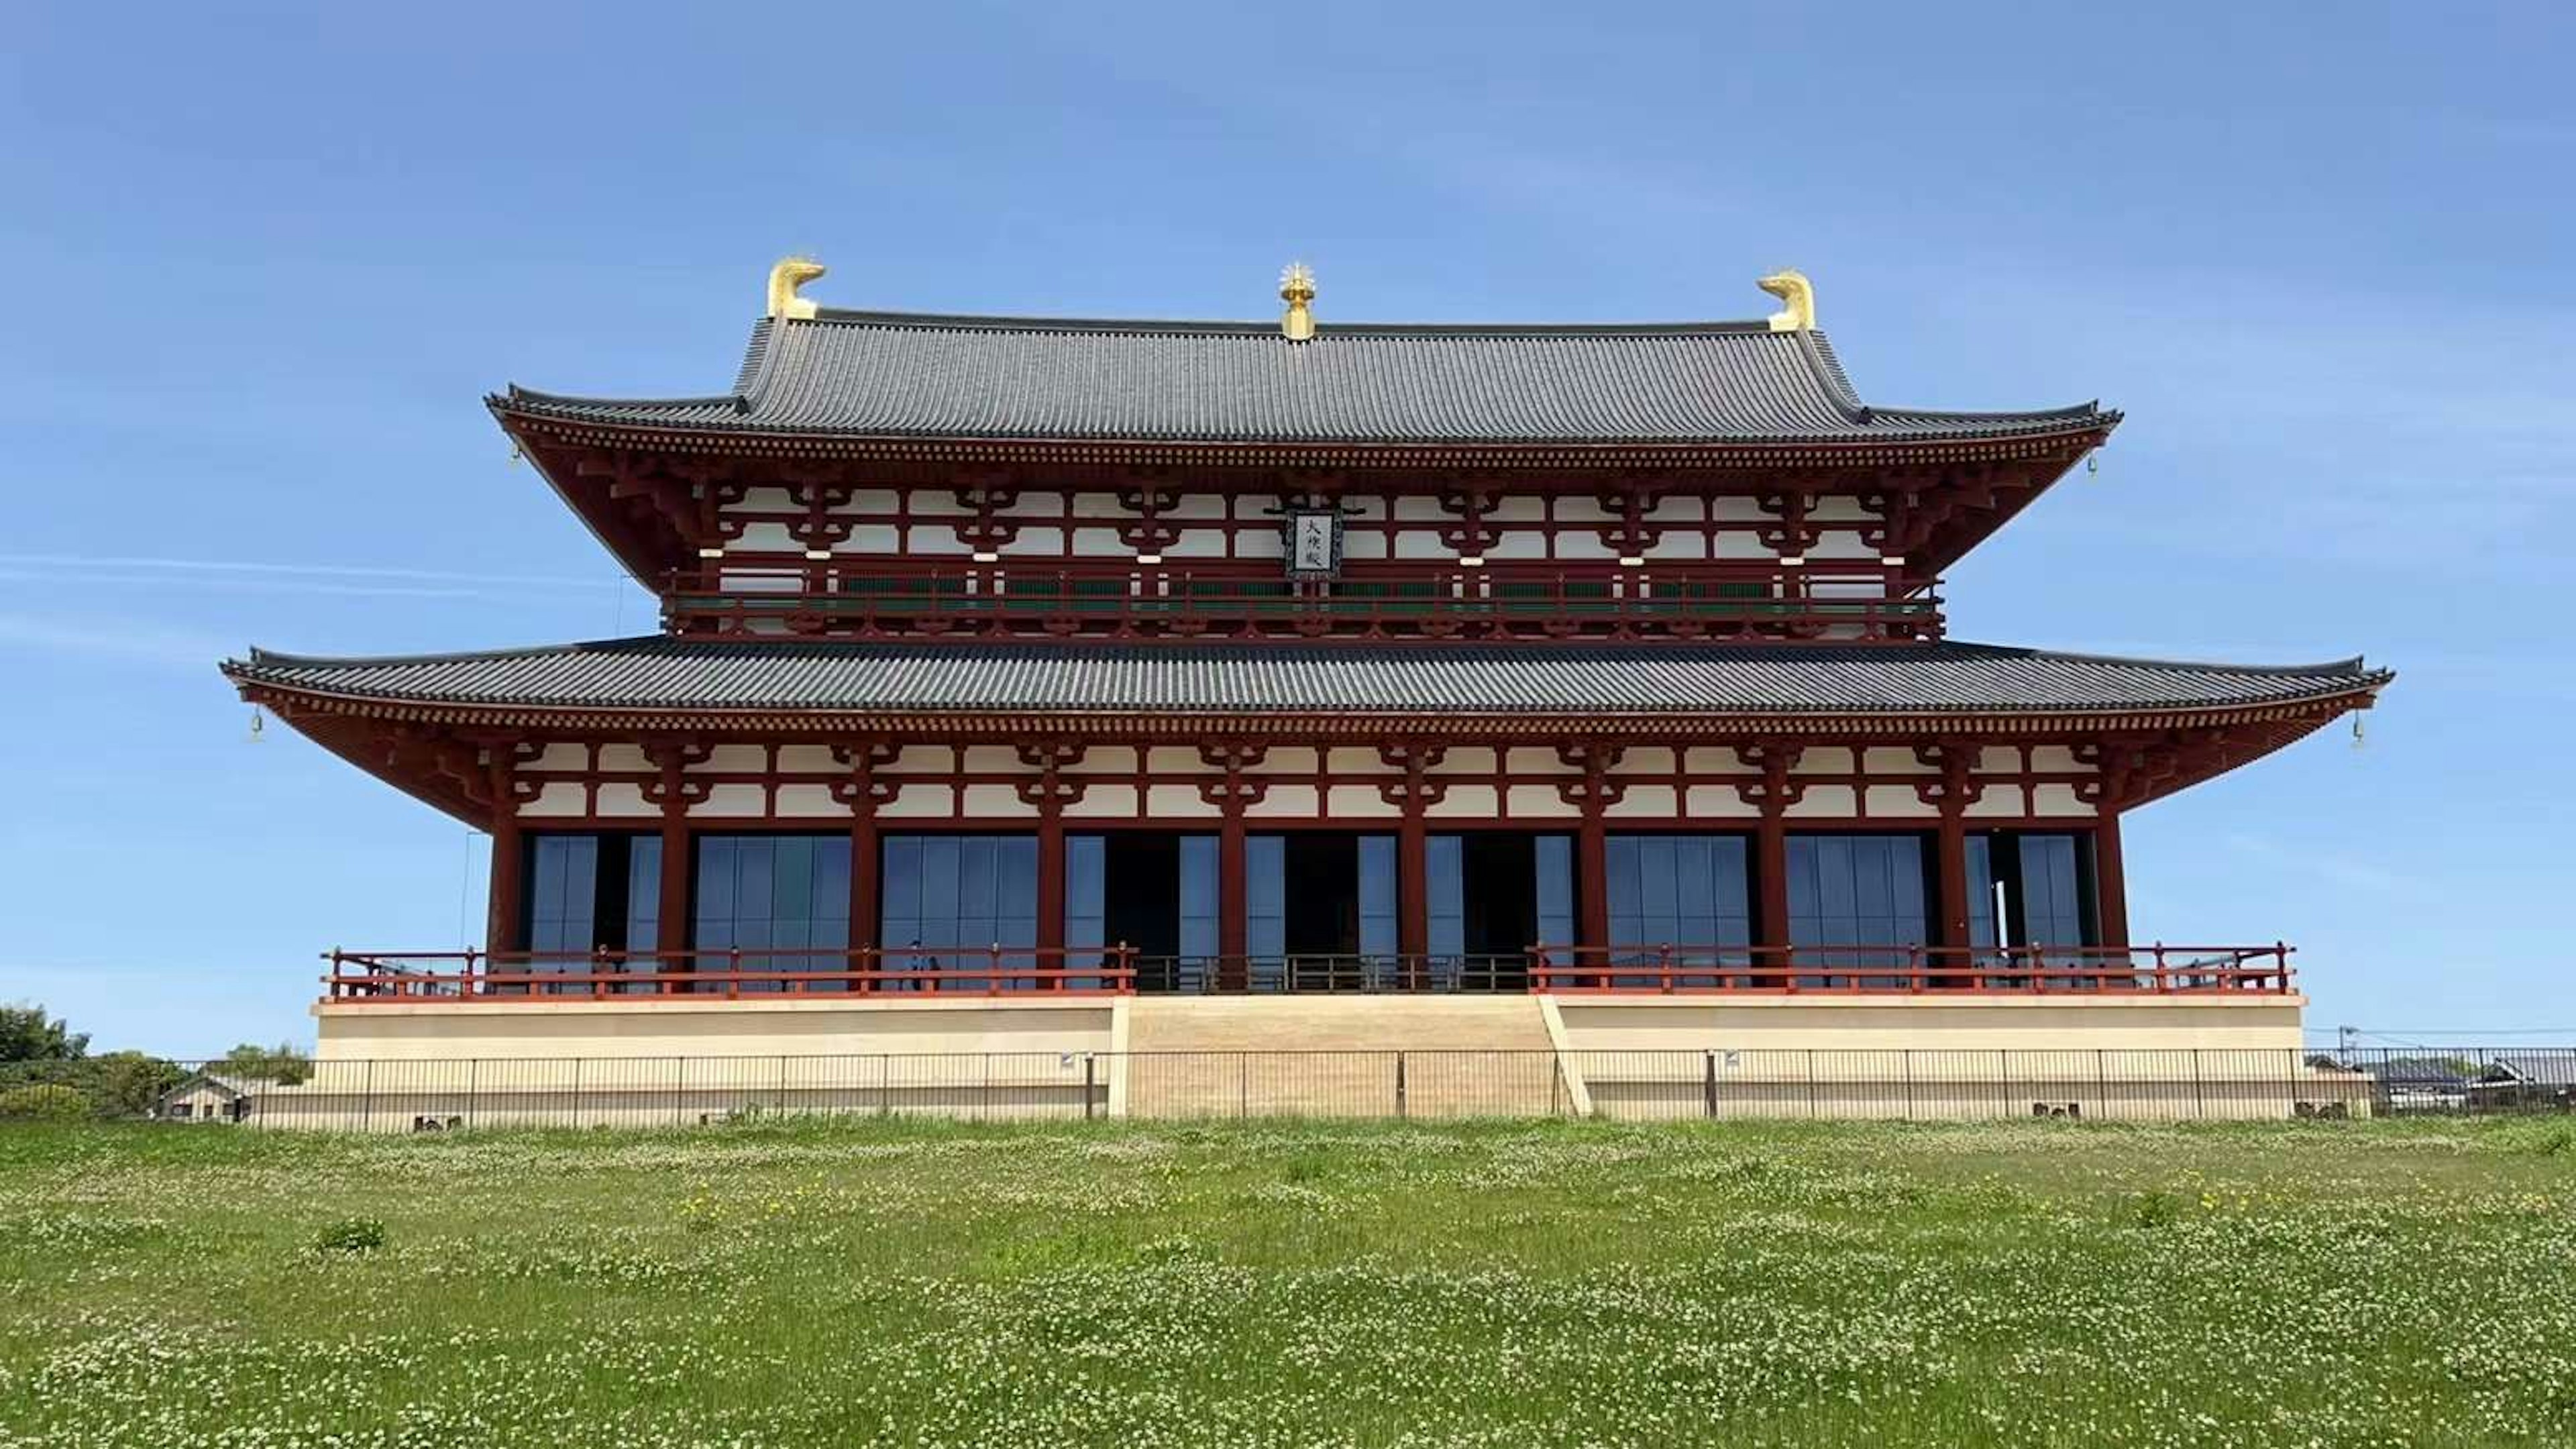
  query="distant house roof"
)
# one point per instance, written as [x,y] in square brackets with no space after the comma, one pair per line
[1663,679]
[2418,1073]
[906,375]
[2532,1068]
[224,1082]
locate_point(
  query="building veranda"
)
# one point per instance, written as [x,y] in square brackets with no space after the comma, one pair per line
[1114,686]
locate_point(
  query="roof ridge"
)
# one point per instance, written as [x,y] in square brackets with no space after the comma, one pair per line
[2356,664]
[1003,322]
[1791,652]
[271,658]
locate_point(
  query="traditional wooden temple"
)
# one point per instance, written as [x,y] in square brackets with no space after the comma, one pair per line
[1104,686]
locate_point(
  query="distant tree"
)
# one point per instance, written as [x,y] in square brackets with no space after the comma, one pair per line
[128,1084]
[28,1035]
[281,1063]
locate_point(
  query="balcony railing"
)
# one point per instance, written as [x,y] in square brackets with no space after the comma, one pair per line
[1985,970]
[1857,603]
[544,976]
[395,976]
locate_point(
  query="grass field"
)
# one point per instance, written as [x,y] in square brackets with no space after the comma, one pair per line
[1549,1283]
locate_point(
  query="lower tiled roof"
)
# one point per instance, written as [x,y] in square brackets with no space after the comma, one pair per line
[658,672]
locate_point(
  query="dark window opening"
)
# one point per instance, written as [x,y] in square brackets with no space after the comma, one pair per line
[1321,872]
[1141,892]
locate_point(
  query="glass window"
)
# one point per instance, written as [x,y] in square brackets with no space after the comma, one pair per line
[1199,926]
[1086,902]
[1265,910]
[563,893]
[589,896]
[2031,888]
[644,897]
[955,898]
[1860,896]
[782,901]
[1688,892]
[1380,933]
[1554,859]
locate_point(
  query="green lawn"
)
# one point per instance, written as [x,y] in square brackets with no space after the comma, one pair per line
[1547,1283]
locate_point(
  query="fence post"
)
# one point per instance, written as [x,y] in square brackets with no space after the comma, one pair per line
[1811,1081]
[679,1090]
[1708,1082]
[572,1104]
[2199,1098]
[1399,1084]
[1242,1085]
[473,1073]
[1088,1062]
[367,1097]
[782,1084]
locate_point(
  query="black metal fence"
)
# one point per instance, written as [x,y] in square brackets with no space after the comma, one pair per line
[390,1095]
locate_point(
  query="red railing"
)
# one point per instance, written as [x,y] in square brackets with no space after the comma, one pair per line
[389,976]
[1977,970]
[1852,602]
[543,976]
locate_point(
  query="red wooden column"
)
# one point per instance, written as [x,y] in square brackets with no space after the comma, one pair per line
[2110,885]
[1050,792]
[1232,919]
[675,793]
[1414,794]
[503,793]
[1232,793]
[863,792]
[1593,793]
[1773,793]
[1952,793]
[509,865]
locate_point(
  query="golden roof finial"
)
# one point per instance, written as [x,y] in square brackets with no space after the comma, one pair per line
[1792,287]
[1297,289]
[784,278]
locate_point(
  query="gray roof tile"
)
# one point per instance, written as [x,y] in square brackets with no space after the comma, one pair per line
[885,374]
[1664,679]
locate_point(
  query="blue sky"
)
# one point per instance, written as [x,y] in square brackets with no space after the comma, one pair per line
[263,263]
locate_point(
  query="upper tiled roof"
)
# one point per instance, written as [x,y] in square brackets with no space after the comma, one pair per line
[1663,679]
[901,375]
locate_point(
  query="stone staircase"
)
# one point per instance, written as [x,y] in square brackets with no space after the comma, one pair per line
[1425,1056]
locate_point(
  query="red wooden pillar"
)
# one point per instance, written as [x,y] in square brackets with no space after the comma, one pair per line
[1412,888]
[863,887]
[1412,859]
[1951,872]
[673,793]
[507,888]
[1050,883]
[672,906]
[1233,916]
[1772,794]
[1592,885]
[863,792]
[1232,794]
[1593,794]
[1771,881]
[2110,886]
[1955,791]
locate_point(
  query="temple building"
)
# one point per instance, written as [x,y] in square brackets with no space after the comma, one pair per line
[1081,686]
